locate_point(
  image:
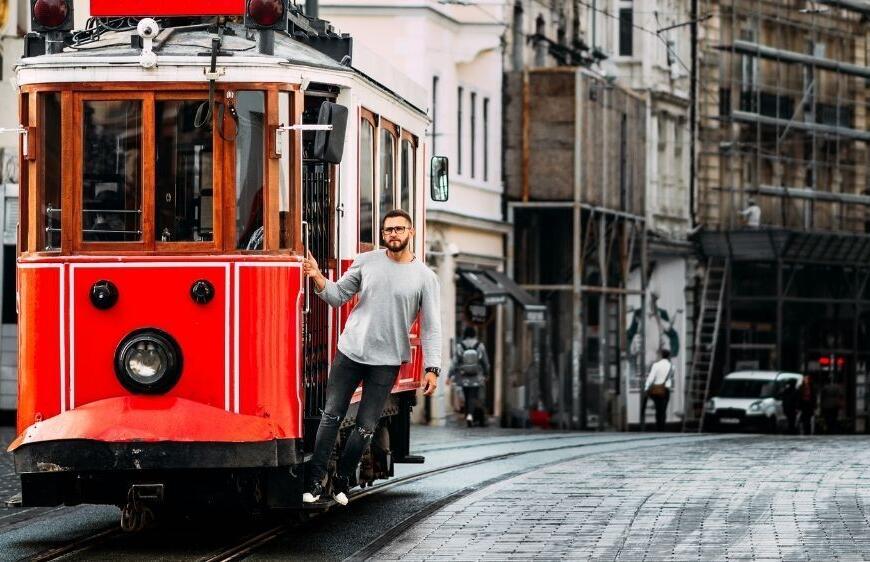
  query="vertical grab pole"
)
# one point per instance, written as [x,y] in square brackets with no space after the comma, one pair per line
[306,234]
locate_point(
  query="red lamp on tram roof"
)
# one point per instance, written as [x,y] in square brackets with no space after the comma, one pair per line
[266,14]
[51,15]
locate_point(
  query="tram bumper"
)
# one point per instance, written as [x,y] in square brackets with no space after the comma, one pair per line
[140,433]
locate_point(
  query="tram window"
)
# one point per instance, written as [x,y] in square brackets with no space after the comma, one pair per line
[408,177]
[388,172]
[51,161]
[112,182]
[184,205]
[251,108]
[285,219]
[366,182]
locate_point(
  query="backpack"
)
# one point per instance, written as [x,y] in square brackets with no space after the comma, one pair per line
[470,360]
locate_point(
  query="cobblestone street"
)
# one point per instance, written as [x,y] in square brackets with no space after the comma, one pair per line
[758,499]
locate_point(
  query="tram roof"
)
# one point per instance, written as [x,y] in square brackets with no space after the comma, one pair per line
[176,44]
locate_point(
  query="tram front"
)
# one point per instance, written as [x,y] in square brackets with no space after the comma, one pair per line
[160,307]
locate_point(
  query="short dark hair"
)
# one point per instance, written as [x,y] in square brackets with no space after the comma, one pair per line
[469,332]
[396,213]
[666,353]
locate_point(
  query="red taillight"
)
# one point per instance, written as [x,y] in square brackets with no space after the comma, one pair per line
[51,13]
[266,13]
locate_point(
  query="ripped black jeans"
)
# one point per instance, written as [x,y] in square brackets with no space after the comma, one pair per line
[344,377]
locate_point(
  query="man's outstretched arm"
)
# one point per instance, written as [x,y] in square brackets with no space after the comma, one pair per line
[337,293]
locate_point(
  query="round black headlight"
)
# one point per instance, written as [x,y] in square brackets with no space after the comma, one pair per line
[148,362]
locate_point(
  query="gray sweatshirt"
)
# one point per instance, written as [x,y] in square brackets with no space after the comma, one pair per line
[390,296]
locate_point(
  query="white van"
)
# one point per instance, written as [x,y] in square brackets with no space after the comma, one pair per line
[749,399]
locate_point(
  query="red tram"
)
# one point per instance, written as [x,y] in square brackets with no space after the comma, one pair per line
[174,166]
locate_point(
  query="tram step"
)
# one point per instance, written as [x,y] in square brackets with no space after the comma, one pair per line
[410,459]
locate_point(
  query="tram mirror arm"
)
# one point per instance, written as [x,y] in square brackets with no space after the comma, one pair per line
[281,130]
[27,148]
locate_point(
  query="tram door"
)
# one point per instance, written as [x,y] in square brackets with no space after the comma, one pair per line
[318,185]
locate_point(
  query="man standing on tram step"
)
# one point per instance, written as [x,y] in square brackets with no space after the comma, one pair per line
[658,386]
[393,287]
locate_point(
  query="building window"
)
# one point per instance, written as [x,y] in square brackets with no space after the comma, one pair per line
[626,32]
[485,139]
[473,132]
[459,93]
[434,115]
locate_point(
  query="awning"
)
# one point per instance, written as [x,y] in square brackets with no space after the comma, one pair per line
[535,312]
[492,293]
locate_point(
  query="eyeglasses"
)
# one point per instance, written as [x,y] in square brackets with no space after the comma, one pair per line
[395,230]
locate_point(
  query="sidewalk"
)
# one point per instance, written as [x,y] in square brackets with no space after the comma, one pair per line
[772,499]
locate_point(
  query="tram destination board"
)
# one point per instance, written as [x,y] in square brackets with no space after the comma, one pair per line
[154,8]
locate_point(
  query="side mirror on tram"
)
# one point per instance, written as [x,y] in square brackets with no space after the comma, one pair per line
[440,189]
[329,145]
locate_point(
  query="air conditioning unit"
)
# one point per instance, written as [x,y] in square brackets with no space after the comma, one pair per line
[9,24]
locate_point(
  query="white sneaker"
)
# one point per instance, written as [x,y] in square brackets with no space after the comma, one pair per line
[340,498]
[308,497]
[313,494]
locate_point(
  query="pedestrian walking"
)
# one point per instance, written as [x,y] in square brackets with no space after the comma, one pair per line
[789,398]
[470,369]
[807,404]
[830,403]
[659,383]
[393,287]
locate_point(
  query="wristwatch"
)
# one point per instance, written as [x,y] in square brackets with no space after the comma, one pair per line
[435,370]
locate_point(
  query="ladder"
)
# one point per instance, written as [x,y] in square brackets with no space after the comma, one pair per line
[706,340]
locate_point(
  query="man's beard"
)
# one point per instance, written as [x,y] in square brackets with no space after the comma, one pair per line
[402,244]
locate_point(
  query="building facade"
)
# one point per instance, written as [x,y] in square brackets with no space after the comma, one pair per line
[783,195]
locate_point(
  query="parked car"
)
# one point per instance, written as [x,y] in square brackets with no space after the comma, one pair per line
[749,400]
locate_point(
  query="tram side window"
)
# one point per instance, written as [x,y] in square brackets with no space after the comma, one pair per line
[366,182]
[388,172]
[184,205]
[112,182]
[52,163]
[408,180]
[285,219]
[251,108]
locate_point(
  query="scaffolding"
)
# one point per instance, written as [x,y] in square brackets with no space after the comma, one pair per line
[782,106]
[782,125]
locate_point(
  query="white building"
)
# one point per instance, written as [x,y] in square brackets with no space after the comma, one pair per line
[455,52]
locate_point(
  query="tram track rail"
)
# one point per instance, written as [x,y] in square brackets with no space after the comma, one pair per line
[252,541]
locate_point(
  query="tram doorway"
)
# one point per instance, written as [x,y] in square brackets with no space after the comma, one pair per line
[318,210]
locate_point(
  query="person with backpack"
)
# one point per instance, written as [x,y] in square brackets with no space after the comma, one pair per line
[469,370]
[659,383]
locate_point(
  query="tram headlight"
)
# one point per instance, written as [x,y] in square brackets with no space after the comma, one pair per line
[51,15]
[266,14]
[148,362]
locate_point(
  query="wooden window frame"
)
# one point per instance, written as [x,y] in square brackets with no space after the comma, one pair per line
[372,119]
[73,96]
[415,144]
[395,132]
[216,182]
[73,221]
